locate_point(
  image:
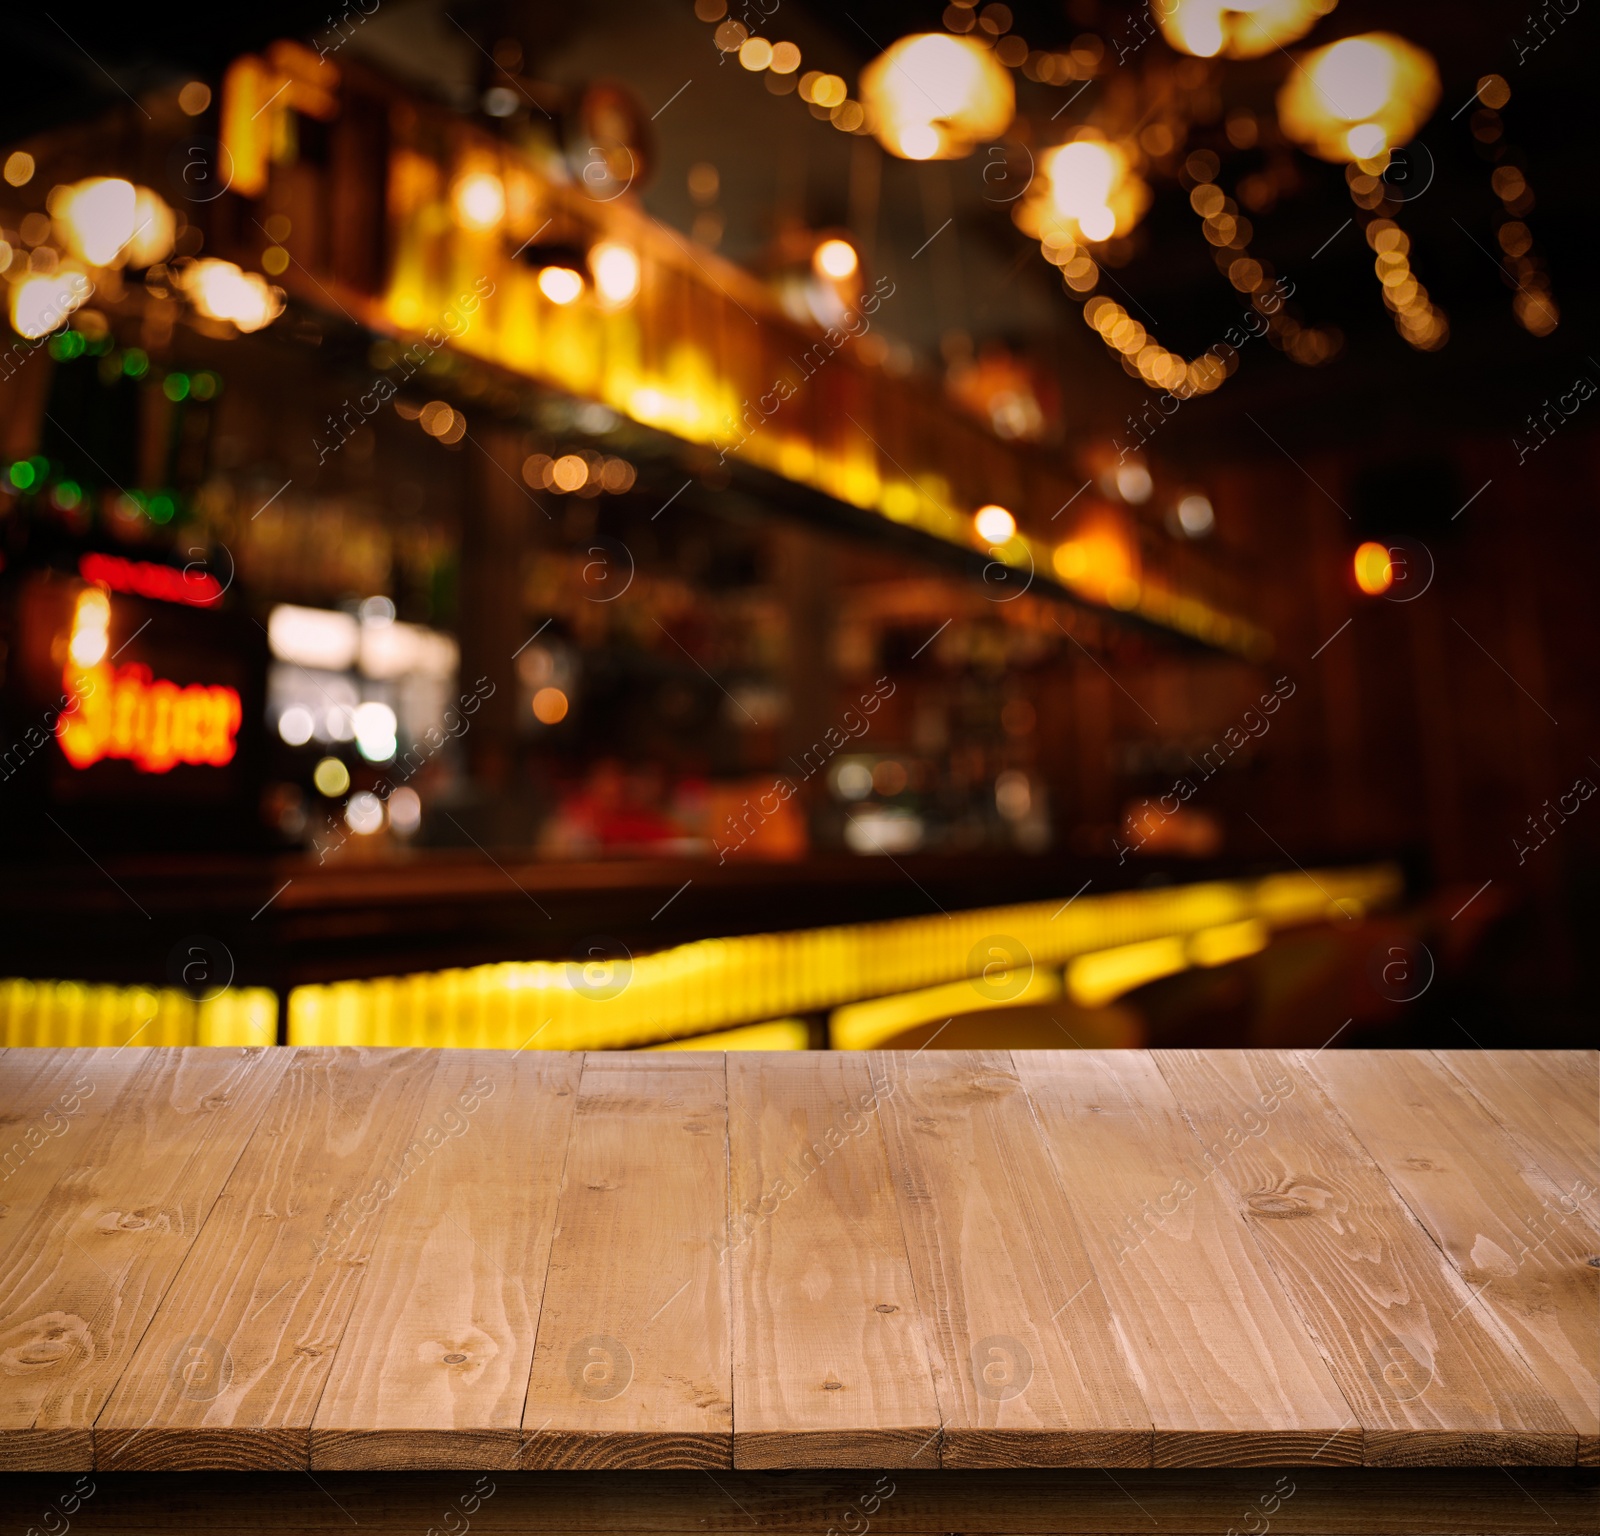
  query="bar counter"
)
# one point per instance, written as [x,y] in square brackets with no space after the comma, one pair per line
[339,1260]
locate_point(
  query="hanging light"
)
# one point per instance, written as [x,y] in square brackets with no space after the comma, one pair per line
[932,96]
[41,303]
[222,291]
[1359,98]
[96,217]
[1244,29]
[1092,191]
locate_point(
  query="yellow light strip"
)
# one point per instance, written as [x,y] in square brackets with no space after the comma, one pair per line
[721,983]
[780,1035]
[863,1026]
[73,1013]
[1095,980]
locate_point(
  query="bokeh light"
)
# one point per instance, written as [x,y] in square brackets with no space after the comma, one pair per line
[1358,98]
[1236,29]
[1374,569]
[835,259]
[994,524]
[932,96]
[615,268]
[331,777]
[550,706]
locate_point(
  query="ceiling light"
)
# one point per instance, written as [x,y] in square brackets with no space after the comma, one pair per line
[933,96]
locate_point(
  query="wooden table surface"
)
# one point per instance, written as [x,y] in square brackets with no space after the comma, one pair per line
[346,1259]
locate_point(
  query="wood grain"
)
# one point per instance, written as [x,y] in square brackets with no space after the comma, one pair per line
[1026,1362]
[804,1260]
[1299,1501]
[1548,1100]
[49,1100]
[1226,1366]
[86,1263]
[1430,1383]
[1518,1241]
[830,1367]
[229,1372]
[632,1367]
[432,1370]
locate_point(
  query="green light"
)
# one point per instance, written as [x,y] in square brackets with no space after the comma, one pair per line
[22,474]
[68,495]
[175,386]
[135,363]
[66,345]
[41,468]
[205,385]
[160,508]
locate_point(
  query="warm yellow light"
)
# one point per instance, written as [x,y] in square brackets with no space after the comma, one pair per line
[932,96]
[19,168]
[222,291]
[1228,942]
[96,217]
[1100,562]
[785,59]
[40,304]
[91,623]
[1358,98]
[569,473]
[88,646]
[994,524]
[1374,570]
[1242,29]
[615,268]
[1093,191]
[550,706]
[835,258]
[561,285]
[194,98]
[331,777]
[436,418]
[755,53]
[1096,979]
[480,200]
[154,229]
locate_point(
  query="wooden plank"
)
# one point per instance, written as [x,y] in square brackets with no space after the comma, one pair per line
[86,1265]
[229,1372]
[1298,1501]
[1431,1383]
[432,1370]
[1227,1369]
[632,1367]
[1025,1358]
[50,1099]
[1548,1100]
[1516,1238]
[829,1362]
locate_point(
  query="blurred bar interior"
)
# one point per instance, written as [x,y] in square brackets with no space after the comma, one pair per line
[670,524]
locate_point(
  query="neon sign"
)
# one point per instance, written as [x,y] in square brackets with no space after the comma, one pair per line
[130,714]
[143,578]
[149,721]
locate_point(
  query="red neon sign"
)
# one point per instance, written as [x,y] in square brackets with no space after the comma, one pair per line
[150,722]
[143,578]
